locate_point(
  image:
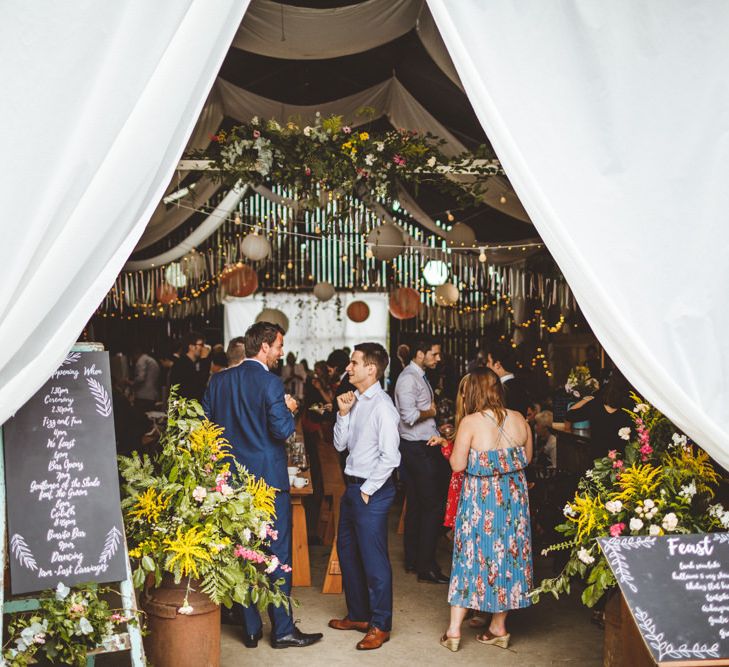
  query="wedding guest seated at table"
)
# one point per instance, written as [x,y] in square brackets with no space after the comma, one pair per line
[492,560]
[606,414]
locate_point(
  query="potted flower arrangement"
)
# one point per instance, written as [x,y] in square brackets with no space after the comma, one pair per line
[663,484]
[197,525]
[66,625]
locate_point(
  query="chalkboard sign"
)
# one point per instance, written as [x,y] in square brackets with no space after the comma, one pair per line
[677,589]
[64,517]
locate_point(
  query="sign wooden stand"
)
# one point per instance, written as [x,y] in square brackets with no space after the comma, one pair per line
[129,640]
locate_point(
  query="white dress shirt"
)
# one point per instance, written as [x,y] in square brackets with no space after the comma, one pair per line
[369,432]
[413,395]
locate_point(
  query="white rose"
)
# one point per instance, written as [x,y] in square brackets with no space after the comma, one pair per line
[613,506]
[688,491]
[636,524]
[679,440]
[670,521]
[624,433]
[568,511]
[431,162]
[247,534]
[640,408]
[380,146]
[272,565]
[369,159]
[199,493]
[654,530]
[226,490]
[307,131]
[648,503]
[584,555]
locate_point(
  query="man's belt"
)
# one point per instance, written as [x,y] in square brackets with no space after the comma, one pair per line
[351,479]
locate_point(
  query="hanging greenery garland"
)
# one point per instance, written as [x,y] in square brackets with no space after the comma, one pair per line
[329,156]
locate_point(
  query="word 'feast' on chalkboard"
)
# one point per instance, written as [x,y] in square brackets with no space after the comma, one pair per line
[64,517]
[677,589]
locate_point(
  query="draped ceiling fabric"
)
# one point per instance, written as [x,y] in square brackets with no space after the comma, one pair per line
[611,122]
[125,90]
[362,45]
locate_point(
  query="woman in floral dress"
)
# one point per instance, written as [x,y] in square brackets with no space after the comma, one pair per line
[492,561]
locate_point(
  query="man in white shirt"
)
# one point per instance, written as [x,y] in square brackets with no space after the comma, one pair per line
[145,383]
[367,428]
[427,472]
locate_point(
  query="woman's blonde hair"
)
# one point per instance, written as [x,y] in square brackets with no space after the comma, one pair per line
[484,391]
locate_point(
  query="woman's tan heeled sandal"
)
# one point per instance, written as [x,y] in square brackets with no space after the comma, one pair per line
[502,641]
[451,643]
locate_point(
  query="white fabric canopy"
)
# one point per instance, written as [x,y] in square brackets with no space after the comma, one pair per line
[611,122]
[99,101]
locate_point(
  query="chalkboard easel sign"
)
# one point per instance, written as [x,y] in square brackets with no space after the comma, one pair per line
[677,590]
[64,516]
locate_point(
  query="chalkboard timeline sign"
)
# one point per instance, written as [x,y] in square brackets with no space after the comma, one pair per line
[64,517]
[677,589]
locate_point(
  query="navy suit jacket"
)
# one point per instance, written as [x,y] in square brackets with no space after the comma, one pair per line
[248,401]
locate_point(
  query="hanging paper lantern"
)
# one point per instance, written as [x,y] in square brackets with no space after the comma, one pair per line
[166,293]
[435,272]
[324,291]
[404,303]
[446,294]
[461,236]
[385,241]
[193,264]
[274,316]
[358,311]
[174,275]
[240,280]
[256,247]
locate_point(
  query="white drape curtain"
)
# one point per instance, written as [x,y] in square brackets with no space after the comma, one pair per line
[99,100]
[612,122]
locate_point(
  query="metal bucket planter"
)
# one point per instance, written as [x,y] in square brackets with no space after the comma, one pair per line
[181,640]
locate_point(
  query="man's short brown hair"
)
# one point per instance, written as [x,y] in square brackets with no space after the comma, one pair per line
[374,353]
[258,334]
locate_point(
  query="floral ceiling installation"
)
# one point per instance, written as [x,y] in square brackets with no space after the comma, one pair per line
[330,157]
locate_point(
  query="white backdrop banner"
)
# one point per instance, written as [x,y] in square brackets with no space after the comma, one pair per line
[99,100]
[315,328]
[611,123]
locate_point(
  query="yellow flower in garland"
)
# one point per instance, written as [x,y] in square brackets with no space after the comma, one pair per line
[149,506]
[263,495]
[589,514]
[364,136]
[144,547]
[208,438]
[638,482]
[189,549]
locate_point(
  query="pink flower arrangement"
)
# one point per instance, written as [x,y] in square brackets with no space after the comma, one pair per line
[398,160]
[273,534]
[256,134]
[612,454]
[346,129]
[616,529]
[617,463]
[249,554]
[645,451]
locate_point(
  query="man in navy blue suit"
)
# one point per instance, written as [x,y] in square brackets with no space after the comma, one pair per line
[367,428]
[249,402]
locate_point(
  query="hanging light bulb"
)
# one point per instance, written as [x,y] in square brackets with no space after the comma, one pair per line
[482,255]
[290,265]
[237,219]
[451,217]
[502,199]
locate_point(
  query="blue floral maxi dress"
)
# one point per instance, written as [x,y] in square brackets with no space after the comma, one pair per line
[492,551]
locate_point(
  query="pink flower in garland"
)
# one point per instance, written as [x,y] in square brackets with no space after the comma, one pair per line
[613,454]
[645,451]
[617,463]
[256,134]
[398,160]
[616,529]
[307,171]
[248,554]
[273,534]
[346,129]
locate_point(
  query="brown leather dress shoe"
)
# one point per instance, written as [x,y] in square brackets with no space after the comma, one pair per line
[373,639]
[347,624]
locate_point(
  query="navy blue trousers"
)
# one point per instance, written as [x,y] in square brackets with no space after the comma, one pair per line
[363,556]
[281,619]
